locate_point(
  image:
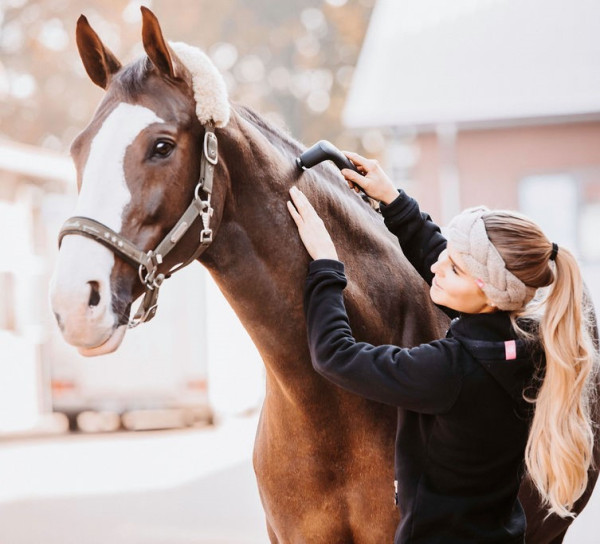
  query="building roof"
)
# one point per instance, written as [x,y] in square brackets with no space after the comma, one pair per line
[477,62]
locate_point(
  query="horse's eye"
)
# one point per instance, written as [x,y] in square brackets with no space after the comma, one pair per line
[162,149]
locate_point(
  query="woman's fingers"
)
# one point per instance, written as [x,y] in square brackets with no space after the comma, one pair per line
[352,176]
[297,202]
[294,213]
[303,205]
[297,196]
[355,185]
[358,160]
[374,181]
[311,228]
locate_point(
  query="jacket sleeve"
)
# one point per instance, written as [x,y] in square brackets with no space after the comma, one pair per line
[425,379]
[420,238]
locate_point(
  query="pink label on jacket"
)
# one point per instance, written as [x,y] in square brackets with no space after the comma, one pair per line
[510,349]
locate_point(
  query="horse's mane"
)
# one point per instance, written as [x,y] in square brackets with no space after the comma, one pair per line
[330,185]
[269,130]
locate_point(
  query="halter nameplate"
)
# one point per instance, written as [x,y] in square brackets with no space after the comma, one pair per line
[148,262]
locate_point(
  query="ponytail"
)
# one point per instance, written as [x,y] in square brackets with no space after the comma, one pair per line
[561,440]
[560,445]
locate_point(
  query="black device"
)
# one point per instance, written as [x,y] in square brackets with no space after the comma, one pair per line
[324,151]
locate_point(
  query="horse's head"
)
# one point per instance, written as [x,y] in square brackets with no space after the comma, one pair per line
[138,165]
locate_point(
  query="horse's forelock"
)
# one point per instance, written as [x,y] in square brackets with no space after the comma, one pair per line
[132,78]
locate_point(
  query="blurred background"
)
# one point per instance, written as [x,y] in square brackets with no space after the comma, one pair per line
[467,102]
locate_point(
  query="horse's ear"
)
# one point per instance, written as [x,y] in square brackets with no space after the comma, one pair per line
[99,62]
[154,43]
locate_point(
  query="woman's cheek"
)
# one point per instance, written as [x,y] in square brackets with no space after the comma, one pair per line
[436,294]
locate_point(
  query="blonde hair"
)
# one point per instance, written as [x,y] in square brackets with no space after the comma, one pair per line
[561,439]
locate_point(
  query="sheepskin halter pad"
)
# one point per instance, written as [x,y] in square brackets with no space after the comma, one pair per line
[210,91]
[468,237]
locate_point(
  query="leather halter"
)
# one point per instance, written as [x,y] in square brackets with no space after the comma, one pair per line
[148,263]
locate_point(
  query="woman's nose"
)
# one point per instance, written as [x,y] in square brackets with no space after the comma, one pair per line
[437,267]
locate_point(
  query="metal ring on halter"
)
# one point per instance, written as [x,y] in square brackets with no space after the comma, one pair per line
[148,280]
[205,203]
[196,192]
[140,274]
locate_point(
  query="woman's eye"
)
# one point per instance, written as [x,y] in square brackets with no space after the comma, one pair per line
[162,149]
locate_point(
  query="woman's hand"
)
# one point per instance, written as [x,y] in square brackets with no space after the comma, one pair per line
[374,181]
[311,228]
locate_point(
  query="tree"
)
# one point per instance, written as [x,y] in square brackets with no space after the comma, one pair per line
[292,61]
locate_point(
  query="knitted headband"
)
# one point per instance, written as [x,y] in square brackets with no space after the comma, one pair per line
[468,237]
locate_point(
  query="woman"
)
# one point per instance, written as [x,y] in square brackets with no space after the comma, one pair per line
[467,424]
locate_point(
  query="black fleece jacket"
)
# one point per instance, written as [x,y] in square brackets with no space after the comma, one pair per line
[462,420]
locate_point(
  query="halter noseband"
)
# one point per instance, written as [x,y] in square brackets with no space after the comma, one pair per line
[148,263]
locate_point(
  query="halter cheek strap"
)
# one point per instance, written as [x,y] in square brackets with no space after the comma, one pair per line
[148,263]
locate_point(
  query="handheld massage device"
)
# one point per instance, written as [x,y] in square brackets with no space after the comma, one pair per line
[323,151]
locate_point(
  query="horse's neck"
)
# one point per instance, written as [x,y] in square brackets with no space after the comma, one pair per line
[257,259]
[259,262]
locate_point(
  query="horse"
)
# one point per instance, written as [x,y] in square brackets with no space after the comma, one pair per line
[170,171]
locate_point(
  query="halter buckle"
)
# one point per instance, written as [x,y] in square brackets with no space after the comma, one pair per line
[151,279]
[147,308]
[146,311]
[206,236]
[211,147]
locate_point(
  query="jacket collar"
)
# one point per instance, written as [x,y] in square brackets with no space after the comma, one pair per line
[491,327]
[491,340]
[491,337]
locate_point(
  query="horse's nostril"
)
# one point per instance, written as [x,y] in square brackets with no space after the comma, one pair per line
[94,293]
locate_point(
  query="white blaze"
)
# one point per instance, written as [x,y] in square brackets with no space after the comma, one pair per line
[104,195]
[104,192]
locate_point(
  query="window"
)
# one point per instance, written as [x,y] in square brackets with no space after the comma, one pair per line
[567,207]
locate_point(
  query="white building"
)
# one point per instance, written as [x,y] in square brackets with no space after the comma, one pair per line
[489,101]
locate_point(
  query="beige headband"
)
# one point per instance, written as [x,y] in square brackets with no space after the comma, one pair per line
[468,237]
